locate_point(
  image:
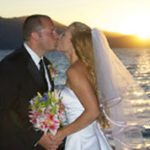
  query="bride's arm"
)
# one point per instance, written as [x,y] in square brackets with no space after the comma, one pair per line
[79,83]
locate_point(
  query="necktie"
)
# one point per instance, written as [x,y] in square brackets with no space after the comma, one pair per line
[42,71]
[50,79]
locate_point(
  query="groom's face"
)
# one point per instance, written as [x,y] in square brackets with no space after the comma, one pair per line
[47,36]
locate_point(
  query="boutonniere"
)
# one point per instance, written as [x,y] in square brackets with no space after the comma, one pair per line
[53,71]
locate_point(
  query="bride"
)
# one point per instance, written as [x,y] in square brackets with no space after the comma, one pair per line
[96,83]
[80,97]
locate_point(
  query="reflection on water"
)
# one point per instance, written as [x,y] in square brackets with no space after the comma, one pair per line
[142,74]
[139,66]
[137,62]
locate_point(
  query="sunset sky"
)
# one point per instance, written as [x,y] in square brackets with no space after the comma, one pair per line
[125,16]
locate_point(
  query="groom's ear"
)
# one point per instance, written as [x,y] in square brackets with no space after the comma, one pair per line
[35,35]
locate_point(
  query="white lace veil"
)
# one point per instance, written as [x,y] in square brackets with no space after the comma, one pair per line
[118,91]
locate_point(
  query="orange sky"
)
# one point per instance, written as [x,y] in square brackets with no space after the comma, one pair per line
[125,16]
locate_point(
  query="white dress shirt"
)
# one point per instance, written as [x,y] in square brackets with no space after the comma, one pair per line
[36,60]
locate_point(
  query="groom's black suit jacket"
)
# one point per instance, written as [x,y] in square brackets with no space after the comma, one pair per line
[19,82]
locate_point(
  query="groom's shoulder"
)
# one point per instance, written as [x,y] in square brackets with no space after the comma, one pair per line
[12,57]
[11,61]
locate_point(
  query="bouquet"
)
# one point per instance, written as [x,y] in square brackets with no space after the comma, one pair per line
[45,112]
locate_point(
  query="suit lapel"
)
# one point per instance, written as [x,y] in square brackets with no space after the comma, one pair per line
[33,70]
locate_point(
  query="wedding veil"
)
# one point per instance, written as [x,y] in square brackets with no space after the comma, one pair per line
[117,93]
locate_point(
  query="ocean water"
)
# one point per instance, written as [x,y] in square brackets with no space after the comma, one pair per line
[137,61]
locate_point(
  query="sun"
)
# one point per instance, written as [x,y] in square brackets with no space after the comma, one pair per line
[139,26]
[144,35]
[143,31]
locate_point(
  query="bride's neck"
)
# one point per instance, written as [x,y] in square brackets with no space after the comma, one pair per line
[72,57]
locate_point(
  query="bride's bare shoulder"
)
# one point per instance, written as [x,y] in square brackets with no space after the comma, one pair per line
[77,78]
[77,70]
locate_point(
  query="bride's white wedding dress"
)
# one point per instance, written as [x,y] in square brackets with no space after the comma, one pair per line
[117,91]
[91,137]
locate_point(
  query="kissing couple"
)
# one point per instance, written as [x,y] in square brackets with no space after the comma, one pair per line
[91,87]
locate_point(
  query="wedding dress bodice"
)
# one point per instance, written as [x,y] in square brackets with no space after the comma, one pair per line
[73,107]
[90,137]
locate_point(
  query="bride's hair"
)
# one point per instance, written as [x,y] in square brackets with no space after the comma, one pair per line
[82,42]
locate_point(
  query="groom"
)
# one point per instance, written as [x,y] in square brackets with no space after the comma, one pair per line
[20,80]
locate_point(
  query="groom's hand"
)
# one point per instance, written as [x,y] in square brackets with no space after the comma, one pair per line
[55,140]
[48,143]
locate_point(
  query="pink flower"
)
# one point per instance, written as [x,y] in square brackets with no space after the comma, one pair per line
[45,114]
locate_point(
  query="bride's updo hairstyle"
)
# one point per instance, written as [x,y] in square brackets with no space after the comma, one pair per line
[82,42]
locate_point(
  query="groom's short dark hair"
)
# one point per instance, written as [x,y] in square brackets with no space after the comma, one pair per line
[33,23]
